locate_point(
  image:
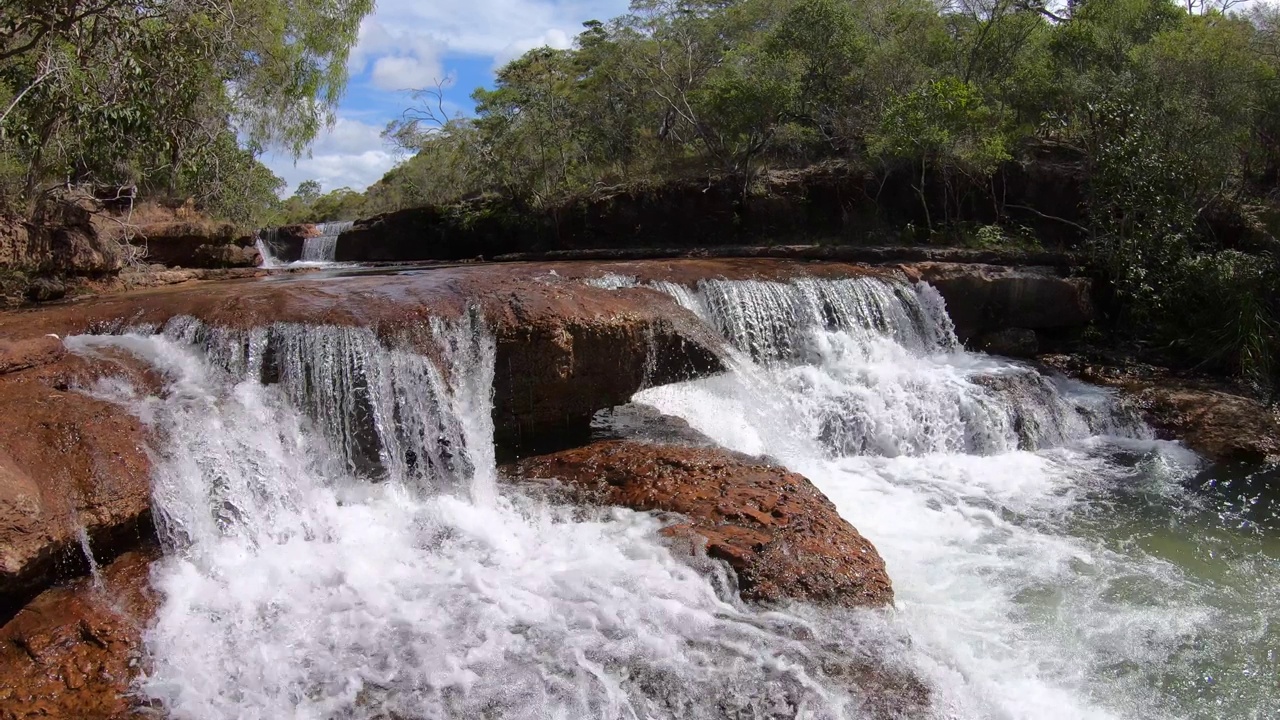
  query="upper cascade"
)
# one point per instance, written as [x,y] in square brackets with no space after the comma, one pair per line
[874,367]
[324,246]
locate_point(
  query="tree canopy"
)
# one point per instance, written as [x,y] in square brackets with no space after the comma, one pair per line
[1170,110]
[175,96]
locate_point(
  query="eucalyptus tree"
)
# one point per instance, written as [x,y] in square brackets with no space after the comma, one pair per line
[159,92]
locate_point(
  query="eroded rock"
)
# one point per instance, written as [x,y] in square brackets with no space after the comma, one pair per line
[1211,419]
[988,298]
[67,462]
[780,534]
[196,244]
[74,652]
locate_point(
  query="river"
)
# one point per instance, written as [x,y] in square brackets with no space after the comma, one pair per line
[339,544]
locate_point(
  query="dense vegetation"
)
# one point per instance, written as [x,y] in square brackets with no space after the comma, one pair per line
[175,98]
[1169,111]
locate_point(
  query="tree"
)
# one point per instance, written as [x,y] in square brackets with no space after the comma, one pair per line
[142,91]
[308,191]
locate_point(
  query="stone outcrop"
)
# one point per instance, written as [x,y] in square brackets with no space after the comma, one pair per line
[196,244]
[74,652]
[285,243]
[985,299]
[68,464]
[60,238]
[1210,418]
[782,536]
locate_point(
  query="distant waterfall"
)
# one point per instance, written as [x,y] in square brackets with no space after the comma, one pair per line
[265,240]
[323,247]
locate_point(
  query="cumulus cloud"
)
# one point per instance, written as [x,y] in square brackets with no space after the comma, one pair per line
[553,38]
[477,28]
[350,154]
[401,59]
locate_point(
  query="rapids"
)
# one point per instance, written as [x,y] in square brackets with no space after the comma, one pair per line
[339,545]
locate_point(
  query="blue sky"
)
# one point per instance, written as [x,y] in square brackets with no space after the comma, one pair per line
[408,44]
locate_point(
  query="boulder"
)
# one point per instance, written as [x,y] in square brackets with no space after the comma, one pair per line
[68,464]
[989,298]
[564,356]
[46,289]
[780,534]
[74,651]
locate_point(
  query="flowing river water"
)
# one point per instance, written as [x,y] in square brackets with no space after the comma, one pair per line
[338,544]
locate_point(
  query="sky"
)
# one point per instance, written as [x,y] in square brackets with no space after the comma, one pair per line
[407,44]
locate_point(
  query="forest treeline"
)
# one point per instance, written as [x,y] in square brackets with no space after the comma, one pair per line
[1168,111]
[168,99]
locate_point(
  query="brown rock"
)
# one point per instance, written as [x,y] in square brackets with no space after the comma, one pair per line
[74,651]
[196,244]
[67,461]
[1211,419]
[781,535]
[988,298]
[29,353]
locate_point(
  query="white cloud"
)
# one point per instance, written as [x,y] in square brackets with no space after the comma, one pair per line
[350,154]
[553,38]
[483,28]
[402,59]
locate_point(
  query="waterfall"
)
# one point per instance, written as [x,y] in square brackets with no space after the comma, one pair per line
[323,247]
[265,240]
[337,546]
[337,543]
[1050,558]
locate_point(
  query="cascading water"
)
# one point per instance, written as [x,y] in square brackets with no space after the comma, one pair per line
[265,240]
[1050,559]
[323,247]
[337,547]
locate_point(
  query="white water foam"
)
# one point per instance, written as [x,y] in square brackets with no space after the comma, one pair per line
[336,546]
[1000,499]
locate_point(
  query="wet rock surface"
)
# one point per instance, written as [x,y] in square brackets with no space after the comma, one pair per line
[74,651]
[68,463]
[782,536]
[1210,417]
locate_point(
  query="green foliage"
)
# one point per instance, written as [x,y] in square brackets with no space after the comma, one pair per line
[1167,114]
[148,92]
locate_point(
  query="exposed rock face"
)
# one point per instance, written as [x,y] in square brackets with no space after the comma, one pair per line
[563,356]
[780,534]
[987,298]
[67,461]
[1210,419]
[1013,342]
[59,239]
[198,244]
[286,243]
[74,651]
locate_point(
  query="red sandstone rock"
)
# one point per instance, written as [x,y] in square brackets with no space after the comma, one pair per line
[67,461]
[74,652]
[29,353]
[781,535]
